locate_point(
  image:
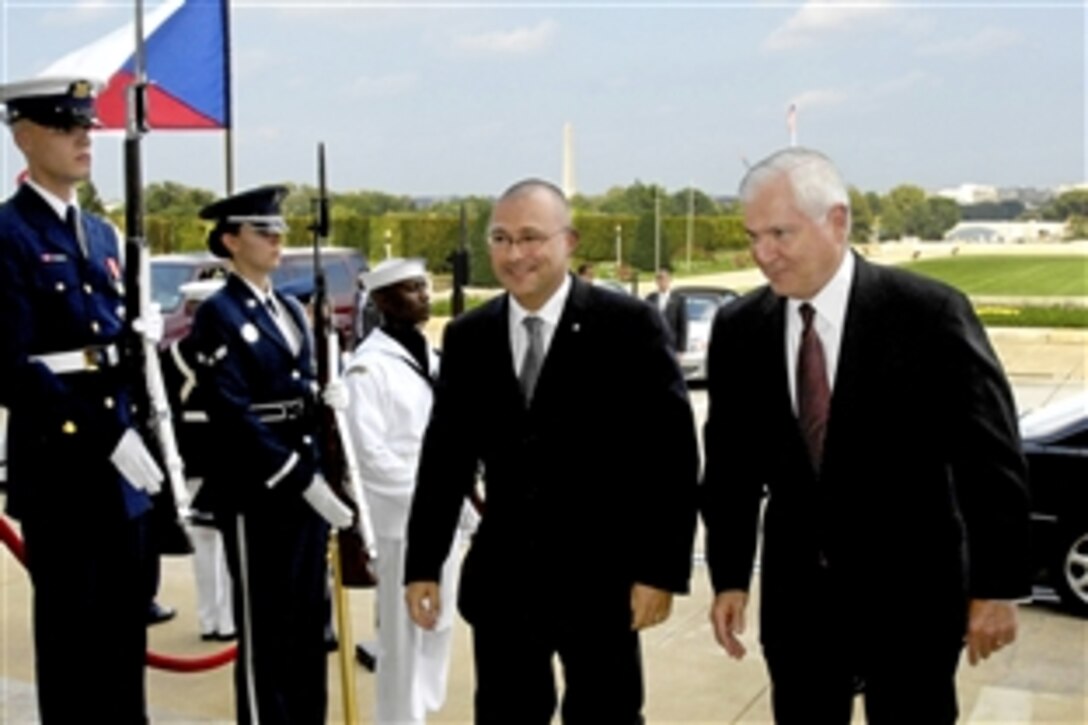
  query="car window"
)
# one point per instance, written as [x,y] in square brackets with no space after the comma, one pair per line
[165,281]
[700,309]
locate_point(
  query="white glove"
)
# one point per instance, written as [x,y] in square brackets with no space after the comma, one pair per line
[470,519]
[150,323]
[335,395]
[136,463]
[327,504]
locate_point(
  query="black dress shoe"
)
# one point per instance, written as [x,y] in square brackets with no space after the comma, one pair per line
[366,658]
[209,637]
[228,637]
[157,614]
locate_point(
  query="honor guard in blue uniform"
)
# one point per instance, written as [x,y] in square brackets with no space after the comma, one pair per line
[79,474]
[255,366]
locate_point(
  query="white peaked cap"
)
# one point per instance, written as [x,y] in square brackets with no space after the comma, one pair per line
[393,270]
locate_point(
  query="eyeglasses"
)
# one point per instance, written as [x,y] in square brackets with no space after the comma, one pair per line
[529,240]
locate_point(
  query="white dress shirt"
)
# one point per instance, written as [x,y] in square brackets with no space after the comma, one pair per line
[830,304]
[550,313]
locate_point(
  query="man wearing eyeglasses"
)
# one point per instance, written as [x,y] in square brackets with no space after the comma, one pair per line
[589,519]
[79,473]
[255,368]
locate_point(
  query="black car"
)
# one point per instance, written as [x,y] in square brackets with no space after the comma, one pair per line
[700,304]
[1056,446]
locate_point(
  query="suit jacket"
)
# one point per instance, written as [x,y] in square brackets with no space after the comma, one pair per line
[582,498]
[676,318]
[63,427]
[244,365]
[921,500]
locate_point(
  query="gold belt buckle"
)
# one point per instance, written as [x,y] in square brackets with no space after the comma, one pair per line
[90,358]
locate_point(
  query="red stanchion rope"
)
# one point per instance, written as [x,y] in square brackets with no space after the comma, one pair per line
[159,661]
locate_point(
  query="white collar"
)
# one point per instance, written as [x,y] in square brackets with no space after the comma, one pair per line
[830,301]
[550,311]
[58,205]
[262,295]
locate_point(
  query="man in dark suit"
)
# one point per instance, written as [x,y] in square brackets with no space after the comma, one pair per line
[672,308]
[869,404]
[255,371]
[79,474]
[589,517]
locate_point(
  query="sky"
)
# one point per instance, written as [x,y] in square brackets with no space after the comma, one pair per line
[457,98]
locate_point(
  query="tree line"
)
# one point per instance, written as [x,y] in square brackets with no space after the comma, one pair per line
[645,224]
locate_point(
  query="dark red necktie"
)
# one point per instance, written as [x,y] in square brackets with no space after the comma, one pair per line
[813,392]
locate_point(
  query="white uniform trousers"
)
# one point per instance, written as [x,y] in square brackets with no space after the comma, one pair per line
[413,663]
[214,608]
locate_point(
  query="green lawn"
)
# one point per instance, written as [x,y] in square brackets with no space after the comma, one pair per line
[1011,275]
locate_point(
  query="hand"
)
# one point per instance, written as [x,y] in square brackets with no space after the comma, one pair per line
[991,624]
[150,324]
[335,395]
[327,504]
[470,519]
[727,618]
[131,457]
[424,603]
[649,606]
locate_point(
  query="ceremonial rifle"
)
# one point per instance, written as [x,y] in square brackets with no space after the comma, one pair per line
[140,355]
[357,543]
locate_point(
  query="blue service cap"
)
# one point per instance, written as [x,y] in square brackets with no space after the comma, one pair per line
[258,207]
[52,102]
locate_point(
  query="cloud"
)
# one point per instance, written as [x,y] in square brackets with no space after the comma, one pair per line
[819,98]
[390,84]
[982,42]
[522,41]
[818,19]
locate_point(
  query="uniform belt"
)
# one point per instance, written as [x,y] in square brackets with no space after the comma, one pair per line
[84,360]
[277,412]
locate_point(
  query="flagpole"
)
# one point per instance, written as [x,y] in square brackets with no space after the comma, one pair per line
[228,135]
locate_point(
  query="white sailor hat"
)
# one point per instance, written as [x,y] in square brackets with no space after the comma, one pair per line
[390,271]
[53,102]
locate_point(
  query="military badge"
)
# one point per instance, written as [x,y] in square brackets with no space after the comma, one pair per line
[249,333]
[80,89]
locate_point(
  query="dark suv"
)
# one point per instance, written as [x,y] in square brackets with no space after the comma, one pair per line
[342,267]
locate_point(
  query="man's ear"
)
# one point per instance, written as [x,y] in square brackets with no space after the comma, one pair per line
[839,218]
[572,240]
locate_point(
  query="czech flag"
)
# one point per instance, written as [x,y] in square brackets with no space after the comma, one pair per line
[187,60]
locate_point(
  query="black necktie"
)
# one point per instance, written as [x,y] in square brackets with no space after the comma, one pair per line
[271,307]
[813,392]
[534,357]
[71,218]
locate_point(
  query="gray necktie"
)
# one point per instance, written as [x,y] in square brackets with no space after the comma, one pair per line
[534,356]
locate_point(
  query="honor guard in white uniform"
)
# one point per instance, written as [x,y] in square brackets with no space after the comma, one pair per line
[389,382]
[255,370]
[78,473]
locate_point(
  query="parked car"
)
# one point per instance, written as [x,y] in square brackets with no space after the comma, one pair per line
[1056,446]
[700,304]
[342,267]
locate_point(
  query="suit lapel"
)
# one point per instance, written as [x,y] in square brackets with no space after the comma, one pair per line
[853,352]
[498,334]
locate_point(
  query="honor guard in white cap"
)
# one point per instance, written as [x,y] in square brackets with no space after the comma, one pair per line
[254,364]
[79,475]
[389,380]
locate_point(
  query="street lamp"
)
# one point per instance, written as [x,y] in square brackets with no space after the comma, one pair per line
[619,249]
[388,243]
